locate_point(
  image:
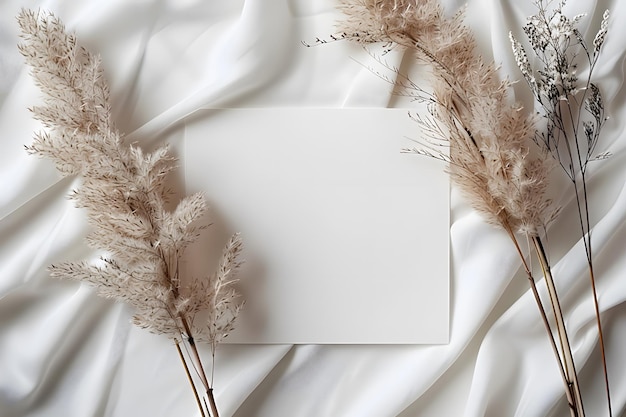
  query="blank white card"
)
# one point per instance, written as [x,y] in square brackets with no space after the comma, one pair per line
[346,238]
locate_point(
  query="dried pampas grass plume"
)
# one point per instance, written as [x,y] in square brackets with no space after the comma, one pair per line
[492,157]
[489,156]
[124,194]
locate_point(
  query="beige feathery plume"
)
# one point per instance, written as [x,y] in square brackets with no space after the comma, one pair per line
[489,140]
[123,192]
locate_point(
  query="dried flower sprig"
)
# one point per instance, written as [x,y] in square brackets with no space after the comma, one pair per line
[124,193]
[573,109]
[489,141]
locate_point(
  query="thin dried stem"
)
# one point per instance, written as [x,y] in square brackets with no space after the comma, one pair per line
[566,349]
[190,378]
[571,396]
[200,367]
[601,339]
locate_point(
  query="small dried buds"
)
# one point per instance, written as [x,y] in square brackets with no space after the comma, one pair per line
[561,51]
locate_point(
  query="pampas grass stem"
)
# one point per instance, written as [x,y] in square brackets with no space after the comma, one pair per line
[569,394]
[190,378]
[566,349]
[200,367]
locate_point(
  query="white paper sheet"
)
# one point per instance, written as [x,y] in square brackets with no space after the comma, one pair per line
[346,237]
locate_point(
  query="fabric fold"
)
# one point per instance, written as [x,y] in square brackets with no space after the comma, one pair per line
[63,351]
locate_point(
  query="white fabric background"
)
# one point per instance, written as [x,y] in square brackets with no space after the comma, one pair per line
[65,352]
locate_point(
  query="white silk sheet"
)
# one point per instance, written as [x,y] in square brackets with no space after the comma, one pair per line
[65,352]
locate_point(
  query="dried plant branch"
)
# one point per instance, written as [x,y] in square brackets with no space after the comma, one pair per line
[573,108]
[570,381]
[567,356]
[190,378]
[490,157]
[123,192]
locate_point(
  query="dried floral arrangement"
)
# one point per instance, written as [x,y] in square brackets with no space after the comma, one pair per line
[497,154]
[123,191]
